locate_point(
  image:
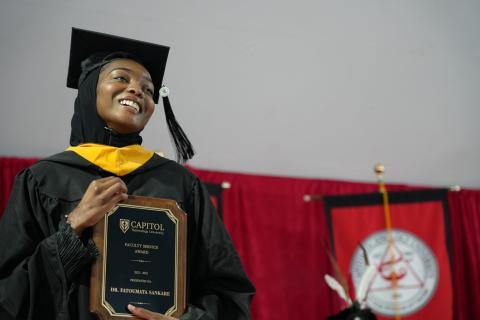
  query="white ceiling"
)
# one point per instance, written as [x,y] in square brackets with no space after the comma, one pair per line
[320,89]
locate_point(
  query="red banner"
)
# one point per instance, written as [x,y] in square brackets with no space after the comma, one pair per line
[413,278]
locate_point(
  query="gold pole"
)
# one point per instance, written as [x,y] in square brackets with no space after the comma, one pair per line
[379,172]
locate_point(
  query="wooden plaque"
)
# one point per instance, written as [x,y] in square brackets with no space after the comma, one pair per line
[142,244]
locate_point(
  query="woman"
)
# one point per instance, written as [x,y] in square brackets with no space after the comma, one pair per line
[46,250]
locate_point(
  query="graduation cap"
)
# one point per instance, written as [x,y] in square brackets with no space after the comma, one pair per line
[90,50]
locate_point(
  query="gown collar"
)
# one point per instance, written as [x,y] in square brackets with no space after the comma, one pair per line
[119,161]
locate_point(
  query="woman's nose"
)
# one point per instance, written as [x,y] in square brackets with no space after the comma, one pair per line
[135,89]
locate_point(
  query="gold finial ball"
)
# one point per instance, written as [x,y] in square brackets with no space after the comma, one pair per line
[379,168]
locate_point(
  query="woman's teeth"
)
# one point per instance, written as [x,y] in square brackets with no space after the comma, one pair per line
[130,103]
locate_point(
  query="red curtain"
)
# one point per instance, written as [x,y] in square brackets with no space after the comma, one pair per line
[465,231]
[280,239]
[9,167]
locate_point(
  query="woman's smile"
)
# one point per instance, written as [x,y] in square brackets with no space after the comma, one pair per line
[131,105]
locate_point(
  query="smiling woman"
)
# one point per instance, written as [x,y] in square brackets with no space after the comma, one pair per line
[44,272]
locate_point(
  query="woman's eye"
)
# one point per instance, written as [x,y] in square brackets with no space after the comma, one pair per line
[149,91]
[121,78]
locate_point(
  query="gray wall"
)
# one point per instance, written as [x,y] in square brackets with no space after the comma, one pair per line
[304,88]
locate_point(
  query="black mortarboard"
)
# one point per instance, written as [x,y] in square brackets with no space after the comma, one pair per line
[90,50]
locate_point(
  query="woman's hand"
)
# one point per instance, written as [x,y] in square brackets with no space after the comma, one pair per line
[101,196]
[149,315]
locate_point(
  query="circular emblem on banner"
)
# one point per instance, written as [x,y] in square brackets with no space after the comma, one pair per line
[407,259]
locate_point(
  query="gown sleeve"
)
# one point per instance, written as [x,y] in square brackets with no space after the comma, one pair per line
[39,259]
[219,287]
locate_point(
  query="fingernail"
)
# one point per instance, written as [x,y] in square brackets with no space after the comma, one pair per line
[131,307]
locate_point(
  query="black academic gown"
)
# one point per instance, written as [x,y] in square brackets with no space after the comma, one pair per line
[44,266]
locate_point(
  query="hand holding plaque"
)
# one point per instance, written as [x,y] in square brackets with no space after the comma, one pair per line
[142,244]
[147,314]
[101,196]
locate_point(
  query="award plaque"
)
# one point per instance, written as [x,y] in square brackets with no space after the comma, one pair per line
[142,244]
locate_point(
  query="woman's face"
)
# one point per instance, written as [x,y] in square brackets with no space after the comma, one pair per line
[125,96]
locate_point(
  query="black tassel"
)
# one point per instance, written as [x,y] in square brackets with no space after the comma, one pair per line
[183,146]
